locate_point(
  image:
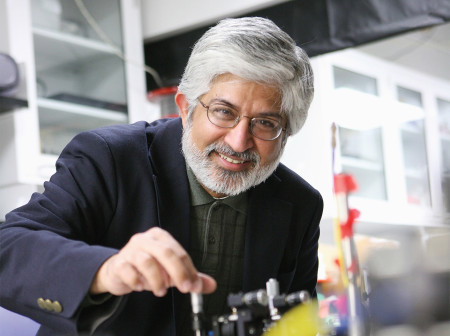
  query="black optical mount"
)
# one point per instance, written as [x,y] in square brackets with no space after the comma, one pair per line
[252,313]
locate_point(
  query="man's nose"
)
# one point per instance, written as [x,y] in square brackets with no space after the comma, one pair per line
[239,137]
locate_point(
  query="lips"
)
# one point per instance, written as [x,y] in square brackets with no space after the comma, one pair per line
[226,158]
[228,155]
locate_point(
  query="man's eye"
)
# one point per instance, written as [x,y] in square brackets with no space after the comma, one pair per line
[266,123]
[223,112]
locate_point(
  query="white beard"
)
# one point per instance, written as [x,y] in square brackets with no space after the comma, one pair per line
[218,179]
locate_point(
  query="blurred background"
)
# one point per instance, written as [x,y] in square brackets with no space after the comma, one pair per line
[382,75]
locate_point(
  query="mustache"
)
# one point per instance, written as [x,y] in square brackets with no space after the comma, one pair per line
[227,150]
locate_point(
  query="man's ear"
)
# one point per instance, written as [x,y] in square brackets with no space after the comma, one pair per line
[182,103]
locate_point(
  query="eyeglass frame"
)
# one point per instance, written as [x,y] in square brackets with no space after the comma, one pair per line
[236,121]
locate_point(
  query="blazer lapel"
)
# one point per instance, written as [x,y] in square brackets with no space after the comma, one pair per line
[266,234]
[170,178]
[172,189]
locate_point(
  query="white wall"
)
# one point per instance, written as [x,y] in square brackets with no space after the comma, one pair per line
[163,18]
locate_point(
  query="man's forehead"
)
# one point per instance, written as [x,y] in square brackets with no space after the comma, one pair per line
[235,79]
[232,89]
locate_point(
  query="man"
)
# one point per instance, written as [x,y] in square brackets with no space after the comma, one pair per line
[138,216]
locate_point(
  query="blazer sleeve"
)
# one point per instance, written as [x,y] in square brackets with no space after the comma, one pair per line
[50,248]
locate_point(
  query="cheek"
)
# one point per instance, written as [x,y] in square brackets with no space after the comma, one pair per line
[203,134]
[269,152]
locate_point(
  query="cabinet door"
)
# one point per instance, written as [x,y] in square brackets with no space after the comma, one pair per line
[444,134]
[80,77]
[360,136]
[415,163]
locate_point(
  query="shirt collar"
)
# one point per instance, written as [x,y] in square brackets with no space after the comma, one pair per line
[199,196]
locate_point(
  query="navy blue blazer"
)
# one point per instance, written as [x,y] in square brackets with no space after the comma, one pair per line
[113,182]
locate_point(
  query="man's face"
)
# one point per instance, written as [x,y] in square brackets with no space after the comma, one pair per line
[228,161]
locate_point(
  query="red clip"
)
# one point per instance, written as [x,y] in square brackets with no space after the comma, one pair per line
[347,228]
[344,183]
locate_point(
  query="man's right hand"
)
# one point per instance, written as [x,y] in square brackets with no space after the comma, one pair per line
[150,261]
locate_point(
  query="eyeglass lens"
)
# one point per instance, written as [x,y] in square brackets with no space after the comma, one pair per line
[227,117]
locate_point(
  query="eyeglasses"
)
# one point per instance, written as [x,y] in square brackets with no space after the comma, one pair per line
[225,116]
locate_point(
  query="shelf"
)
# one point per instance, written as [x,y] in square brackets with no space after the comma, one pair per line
[78,66]
[75,40]
[56,49]
[65,107]
[60,121]
[10,103]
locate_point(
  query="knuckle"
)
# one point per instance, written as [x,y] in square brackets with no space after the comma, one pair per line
[150,270]
[136,238]
[131,279]
[119,263]
[143,258]
[155,231]
[184,257]
[168,253]
[158,233]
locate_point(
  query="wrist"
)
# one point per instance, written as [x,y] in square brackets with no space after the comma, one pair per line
[97,285]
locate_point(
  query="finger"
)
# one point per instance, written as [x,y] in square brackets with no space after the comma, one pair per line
[205,284]
[152,273]
[209,285]
[177,263]
[125,279]
[172,257]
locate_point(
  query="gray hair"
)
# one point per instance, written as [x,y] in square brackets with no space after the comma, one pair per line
[255,49]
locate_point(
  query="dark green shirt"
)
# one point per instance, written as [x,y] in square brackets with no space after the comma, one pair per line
[217,235]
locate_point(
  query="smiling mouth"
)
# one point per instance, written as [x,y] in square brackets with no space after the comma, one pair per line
[226,158]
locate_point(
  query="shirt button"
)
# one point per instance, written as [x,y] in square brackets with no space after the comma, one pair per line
[211,239]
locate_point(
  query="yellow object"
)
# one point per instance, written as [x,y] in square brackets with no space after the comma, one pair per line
[340,253]
[302,320]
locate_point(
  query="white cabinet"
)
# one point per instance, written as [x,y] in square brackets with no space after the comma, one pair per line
[82,63]
[393,136]
[443,108]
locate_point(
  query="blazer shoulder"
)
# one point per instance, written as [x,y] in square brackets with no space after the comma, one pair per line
[126,138]
[290,180]
[118,134]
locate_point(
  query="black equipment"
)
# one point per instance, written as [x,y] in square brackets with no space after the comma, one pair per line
[252,313]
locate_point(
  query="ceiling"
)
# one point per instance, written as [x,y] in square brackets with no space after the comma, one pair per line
[426,50]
